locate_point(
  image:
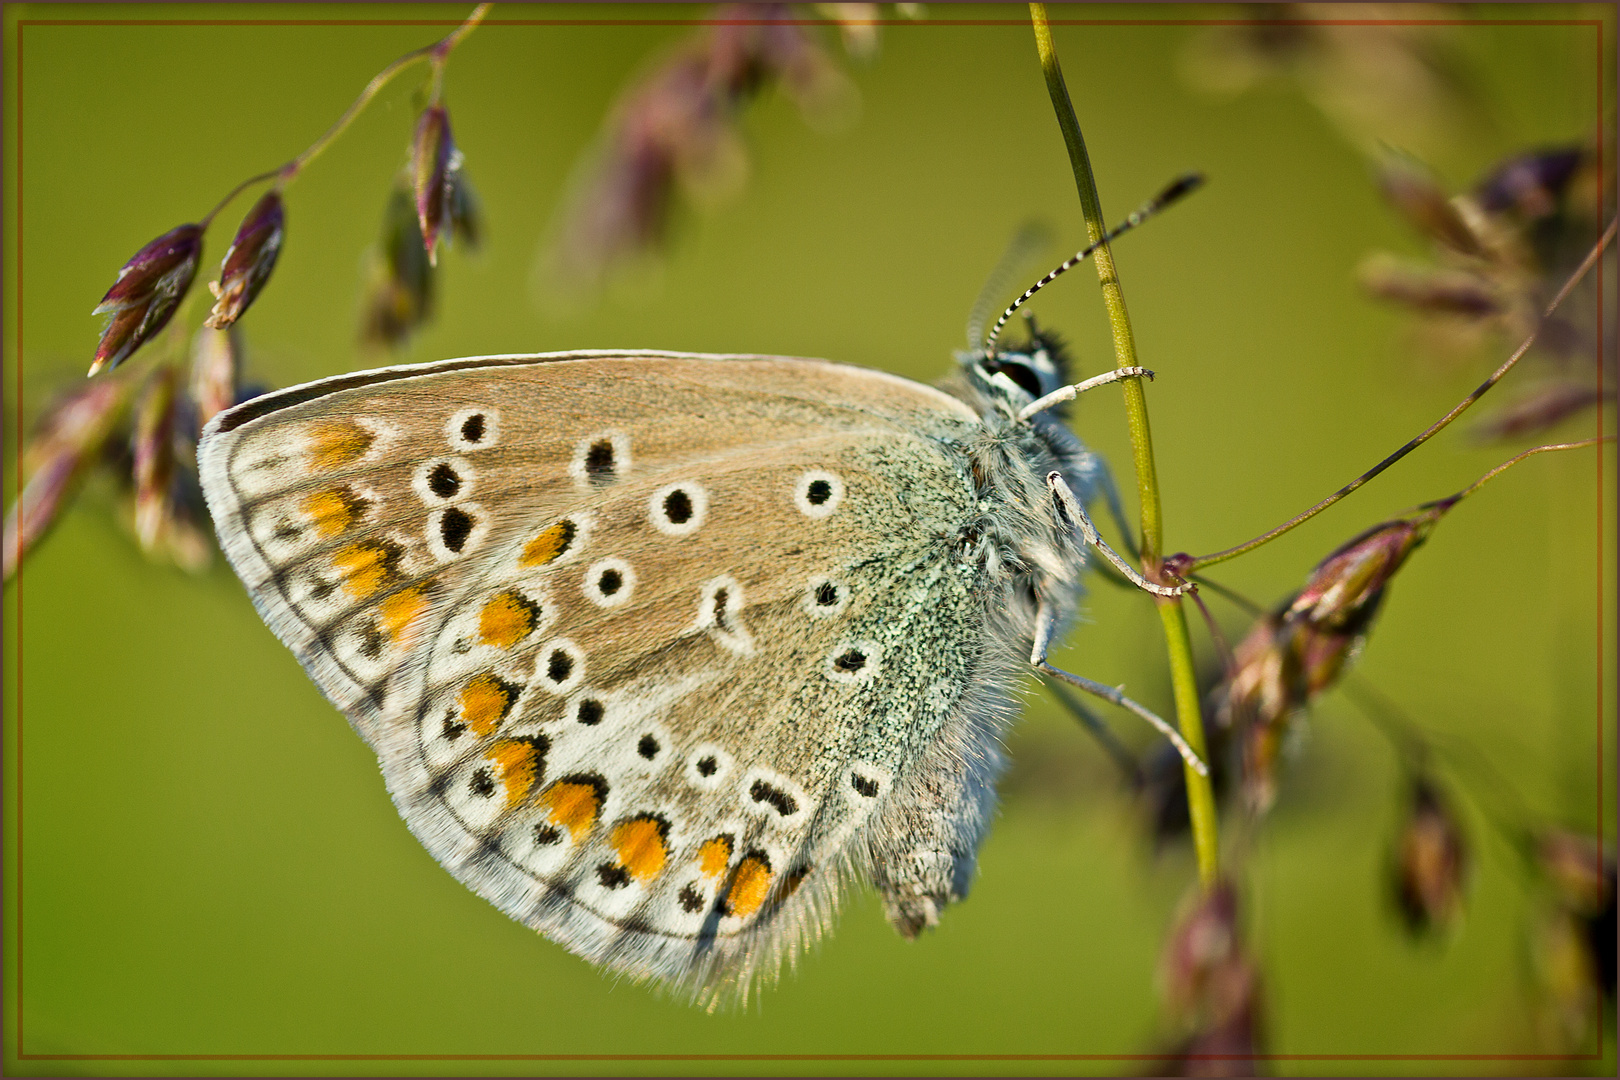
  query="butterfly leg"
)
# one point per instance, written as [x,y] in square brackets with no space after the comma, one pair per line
[1101,479]
[1077,513]
[924,849]
[1117,751]
[1045,625]
[1069,393]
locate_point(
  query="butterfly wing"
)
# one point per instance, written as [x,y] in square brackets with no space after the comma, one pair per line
[641,640]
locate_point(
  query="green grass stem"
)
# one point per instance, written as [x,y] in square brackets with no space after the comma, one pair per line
[1200,796]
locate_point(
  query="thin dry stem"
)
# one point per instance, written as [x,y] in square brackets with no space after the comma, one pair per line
[438,52]
[1185,565]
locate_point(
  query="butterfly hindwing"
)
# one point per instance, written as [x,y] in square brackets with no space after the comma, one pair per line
[642,641]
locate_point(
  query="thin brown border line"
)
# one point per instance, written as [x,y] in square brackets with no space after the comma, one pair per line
[17,425]
[810,1057]
[920,23]
[1598,1006]
[355,23]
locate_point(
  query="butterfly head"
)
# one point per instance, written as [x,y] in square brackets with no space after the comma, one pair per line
[1012,378]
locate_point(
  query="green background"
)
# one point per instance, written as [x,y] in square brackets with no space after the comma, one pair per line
[200,856]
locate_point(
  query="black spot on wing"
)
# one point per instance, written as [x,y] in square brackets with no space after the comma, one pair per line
[444,481]
[600,466]
[775,797]
[455,526]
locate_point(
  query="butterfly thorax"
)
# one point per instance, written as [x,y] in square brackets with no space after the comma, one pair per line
[1019,532]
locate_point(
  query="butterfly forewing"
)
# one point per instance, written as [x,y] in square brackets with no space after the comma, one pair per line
[640,639]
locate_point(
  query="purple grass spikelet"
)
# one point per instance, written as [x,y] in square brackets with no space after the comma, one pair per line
[248,263]
[68,442]
[154,457]
[434,164]
[148,290]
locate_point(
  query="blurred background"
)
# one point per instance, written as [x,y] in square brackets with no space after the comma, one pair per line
[200,854]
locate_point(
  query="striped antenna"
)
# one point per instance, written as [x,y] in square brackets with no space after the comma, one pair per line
[1028,243]
[1182,186]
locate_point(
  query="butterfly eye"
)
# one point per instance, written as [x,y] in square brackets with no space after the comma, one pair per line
[1022,375]
[818,493]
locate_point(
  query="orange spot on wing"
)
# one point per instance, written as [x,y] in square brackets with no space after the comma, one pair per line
[337,443]
[331,512]
[519,762]
[573,804]
[550,545]
[507,619]
[485,701]
[714,855]
[640,845]
[396,614]
[367,566]
[749,886]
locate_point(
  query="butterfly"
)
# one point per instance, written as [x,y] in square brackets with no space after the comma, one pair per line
[656,650]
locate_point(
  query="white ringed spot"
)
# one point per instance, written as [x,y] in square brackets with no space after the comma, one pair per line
[456,530]
[600,459]
[864,782]
[854,662]
[773,797]
[650,747]
[559,666]
[825,597]
[708,766]
[609,583]
[678,509]
[441,481]
[473,429]
[720,605]
[818,493]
